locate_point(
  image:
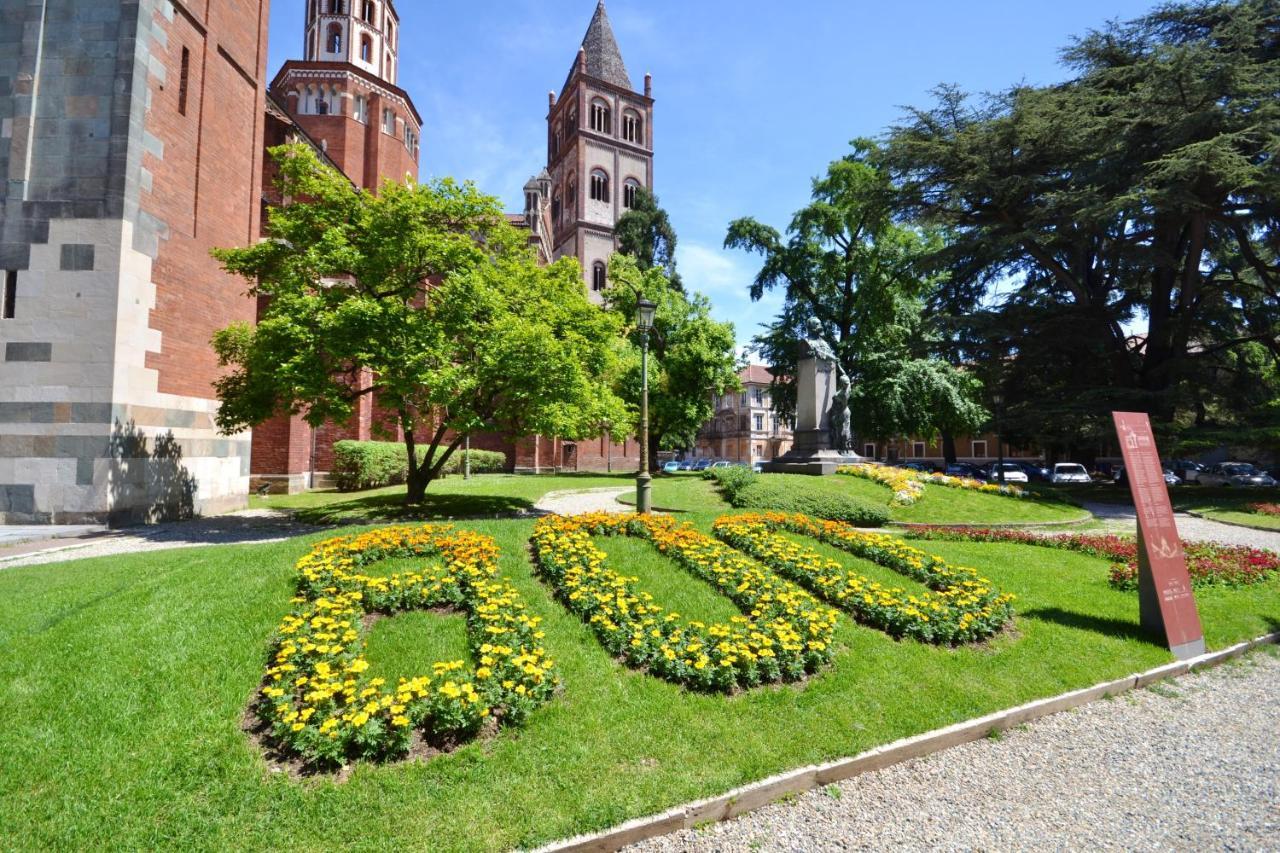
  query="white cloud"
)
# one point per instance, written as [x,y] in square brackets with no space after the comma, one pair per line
[726,279]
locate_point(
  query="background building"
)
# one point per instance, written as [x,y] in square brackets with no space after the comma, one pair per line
[745,428]
[129,147]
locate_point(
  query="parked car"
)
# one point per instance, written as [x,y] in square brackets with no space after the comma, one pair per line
[1069,473]
[1236,474]
[758,467]
[1171,478]
[721,463]
[702,465]
[671,467]
[922,467]
[1012,473]
[964,469]
[1035,471]
[686,465]
[1188,470]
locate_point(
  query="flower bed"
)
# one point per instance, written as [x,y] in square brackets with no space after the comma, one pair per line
[317,698]
[962,607]
[908,485]
[1208,563]
[1265,509]
[905,484]
[787,635]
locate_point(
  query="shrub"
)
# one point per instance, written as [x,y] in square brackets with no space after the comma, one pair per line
[1265,509]
[731,481]
[359,465]
[809,497]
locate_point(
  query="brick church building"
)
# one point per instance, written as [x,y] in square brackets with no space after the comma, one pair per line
[132,139]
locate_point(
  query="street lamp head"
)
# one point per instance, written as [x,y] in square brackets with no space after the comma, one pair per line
[646,311]
[997,398]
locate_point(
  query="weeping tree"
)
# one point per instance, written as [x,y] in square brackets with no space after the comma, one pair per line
[846,261]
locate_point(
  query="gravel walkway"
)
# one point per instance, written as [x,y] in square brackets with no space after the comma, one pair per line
[1120,518]
[243,528]
[576,503]
[1192,764]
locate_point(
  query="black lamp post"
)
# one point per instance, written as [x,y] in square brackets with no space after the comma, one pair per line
[998,399]
[645,311]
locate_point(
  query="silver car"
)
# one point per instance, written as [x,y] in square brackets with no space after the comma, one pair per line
[1069,472]
[1236,474]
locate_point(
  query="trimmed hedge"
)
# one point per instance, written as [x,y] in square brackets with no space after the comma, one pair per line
[360,465]
[744,489]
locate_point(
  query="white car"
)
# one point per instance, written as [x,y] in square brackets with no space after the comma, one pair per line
[1069,472]
[1012,473]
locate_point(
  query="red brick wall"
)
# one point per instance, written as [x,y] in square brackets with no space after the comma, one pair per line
[207,186]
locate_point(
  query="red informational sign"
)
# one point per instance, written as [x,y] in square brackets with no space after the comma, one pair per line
[1164,585]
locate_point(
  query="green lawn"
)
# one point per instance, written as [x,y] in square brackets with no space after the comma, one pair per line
[453,497]
[1231,505]
[123,682]
[686,493]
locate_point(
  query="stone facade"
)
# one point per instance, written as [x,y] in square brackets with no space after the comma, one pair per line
[129,133]
[745,428]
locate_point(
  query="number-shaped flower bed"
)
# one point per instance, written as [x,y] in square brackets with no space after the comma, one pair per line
[318,700]
[784,633]
[961,607]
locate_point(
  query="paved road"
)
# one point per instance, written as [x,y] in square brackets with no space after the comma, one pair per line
[1192,764]
[1122,518]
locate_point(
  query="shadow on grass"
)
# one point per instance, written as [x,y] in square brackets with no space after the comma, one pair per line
[1117,628]
[393,508]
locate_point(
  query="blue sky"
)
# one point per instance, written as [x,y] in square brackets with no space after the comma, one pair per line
[754,97]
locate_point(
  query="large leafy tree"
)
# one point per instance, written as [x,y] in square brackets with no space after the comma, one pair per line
[1143,190]
[691,356]
[424,297]
[645,233]
[847,262]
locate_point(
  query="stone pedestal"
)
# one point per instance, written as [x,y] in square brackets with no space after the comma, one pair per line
[811,451]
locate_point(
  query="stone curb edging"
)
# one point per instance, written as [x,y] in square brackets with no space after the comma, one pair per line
[1240,524]
[748,798]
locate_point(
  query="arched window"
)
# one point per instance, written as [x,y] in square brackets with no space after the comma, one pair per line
[600,118]
[632,127]
[334,42]
[362,109]
[367,11]
[366,49]
[388,121]
[629,190]
[572,195]
[556,135]
[599,277]
[599,186]
[556,207]
[338,7]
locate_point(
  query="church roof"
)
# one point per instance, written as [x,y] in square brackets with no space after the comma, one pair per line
[604,59]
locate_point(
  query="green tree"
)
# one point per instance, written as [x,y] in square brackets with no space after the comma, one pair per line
[691,356]
[847,262]
[645,233]
[1145,189]
[422,296]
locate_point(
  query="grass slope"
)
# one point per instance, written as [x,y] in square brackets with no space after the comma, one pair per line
[940,505]
[1230,505]
[123,681]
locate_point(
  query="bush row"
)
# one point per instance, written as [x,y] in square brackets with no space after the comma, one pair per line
[744,489]
[359,465]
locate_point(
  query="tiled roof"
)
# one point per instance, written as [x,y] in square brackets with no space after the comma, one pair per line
[604,59]
[756,374]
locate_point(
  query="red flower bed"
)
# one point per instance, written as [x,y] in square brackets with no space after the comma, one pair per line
[1208,563]
[1265,509]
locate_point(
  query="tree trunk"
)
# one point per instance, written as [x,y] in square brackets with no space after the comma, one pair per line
[949,448]
[417,480]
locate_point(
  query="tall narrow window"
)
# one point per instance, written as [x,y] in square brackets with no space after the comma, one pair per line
[10,295]
[362,109]
[366,49]
[600,117]
[629,190]
[335,38]
[632,127]
[367,11]
[183,79]
[599,186]
[599,275]
[389,122]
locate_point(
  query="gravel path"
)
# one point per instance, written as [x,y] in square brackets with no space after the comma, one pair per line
[1192,764]
[576,503]
[243,528]
[1120,518]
